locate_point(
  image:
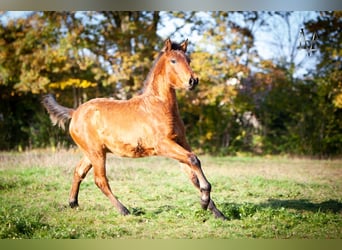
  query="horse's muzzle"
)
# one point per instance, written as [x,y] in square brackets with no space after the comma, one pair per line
[193,82]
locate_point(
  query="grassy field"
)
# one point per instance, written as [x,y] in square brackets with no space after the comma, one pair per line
[270,198]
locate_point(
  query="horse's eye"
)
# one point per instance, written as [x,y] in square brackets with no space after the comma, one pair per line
[173,61]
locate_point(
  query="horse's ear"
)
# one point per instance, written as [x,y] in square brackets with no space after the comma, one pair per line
[184,45]
[167,45]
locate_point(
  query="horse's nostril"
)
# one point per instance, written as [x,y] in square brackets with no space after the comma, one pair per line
[193,82]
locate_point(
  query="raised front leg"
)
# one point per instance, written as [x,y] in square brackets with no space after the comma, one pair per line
[212,207]
[192,166]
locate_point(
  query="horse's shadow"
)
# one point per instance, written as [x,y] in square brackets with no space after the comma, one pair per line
[332,206]
[238,211]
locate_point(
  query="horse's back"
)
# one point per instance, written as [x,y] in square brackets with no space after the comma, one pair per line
[122,127]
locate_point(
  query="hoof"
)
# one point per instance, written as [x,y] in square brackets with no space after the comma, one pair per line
[204,204]
[124,211]
[217,213]
[205,198]
[73,204]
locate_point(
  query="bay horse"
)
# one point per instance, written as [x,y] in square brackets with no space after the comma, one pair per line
[148,124]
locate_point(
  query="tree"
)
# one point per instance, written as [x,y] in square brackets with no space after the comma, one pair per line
[72,54]
[328,78]
[251,98]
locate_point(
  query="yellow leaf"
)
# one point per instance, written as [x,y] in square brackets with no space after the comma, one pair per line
[338,100]
[80,83]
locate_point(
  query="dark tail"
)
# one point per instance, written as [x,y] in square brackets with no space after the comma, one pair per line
[58,114]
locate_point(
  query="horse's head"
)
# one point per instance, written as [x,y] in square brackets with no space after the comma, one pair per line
[177,66]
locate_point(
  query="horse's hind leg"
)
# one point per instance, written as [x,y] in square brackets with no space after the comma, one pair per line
[80,173]
[98,160]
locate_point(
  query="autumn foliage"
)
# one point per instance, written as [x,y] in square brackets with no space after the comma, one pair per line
[245,102]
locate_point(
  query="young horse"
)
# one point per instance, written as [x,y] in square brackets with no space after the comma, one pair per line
[146,125]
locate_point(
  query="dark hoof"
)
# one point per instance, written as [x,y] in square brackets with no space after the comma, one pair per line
[124,211]
[73,204]
[217,213]
[204,204]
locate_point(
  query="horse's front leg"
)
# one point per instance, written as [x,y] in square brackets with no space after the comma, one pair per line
[173,150]
[194,179]
[192,176]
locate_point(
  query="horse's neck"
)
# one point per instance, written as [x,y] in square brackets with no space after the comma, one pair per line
[157,89]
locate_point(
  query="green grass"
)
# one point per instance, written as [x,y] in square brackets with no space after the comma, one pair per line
[272,197]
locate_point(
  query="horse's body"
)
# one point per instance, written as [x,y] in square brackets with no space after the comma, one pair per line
[146,125]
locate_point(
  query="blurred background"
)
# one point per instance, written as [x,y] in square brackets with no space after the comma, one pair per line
[270,82]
